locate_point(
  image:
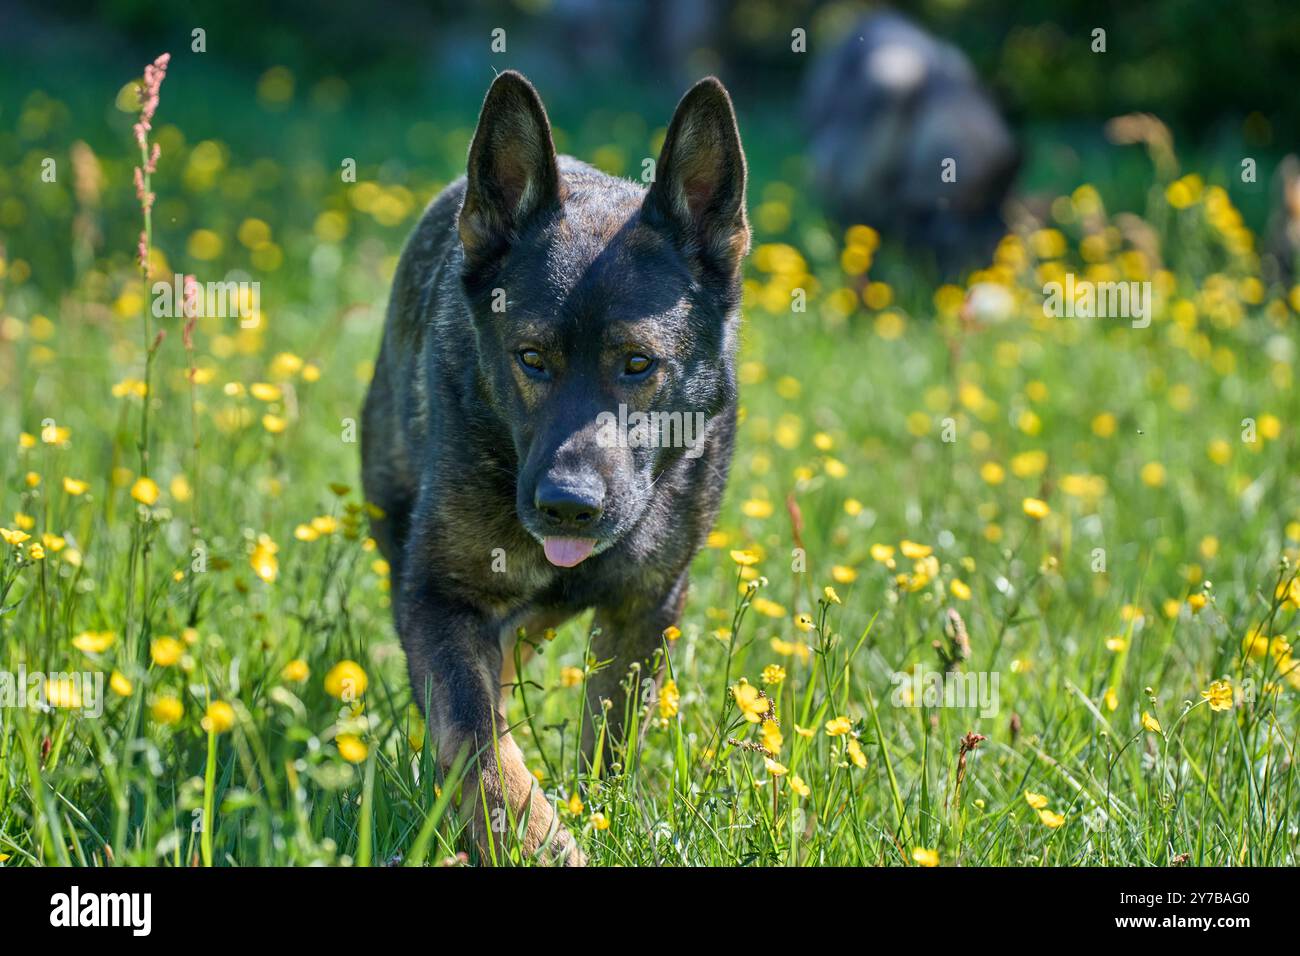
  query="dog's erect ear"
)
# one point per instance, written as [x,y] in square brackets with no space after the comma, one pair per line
[512,173]
[699,188]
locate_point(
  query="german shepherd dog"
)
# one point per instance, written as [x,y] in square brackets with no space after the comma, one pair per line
[539,308]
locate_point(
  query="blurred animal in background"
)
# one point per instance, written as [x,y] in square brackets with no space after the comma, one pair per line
[887,109]
[1283,245]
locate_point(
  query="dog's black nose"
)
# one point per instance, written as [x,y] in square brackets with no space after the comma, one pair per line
[570,505]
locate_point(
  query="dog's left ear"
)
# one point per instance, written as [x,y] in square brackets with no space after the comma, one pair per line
[512,172]
[699,188]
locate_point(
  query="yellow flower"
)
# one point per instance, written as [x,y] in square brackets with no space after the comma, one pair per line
[219,718]
[1050,820]
[791,649]
[130,386]
[883,553]
[571,676]
[993,473]
[120,685]
[1219,695]
[346,681]
[55,434]
[1104,425]
[773,674]
[915,551]
[14,537]
[669,699]
[574,804]
[798,786]
[285,364]
[838,726]
[1036,508]
[296,671]
[1255,645]
[325,524]
[756,508]
[960,589]
[856,755]
[1111,699]
[24,521]
[768,608]
[831,595]
[275,424]
[803,622]
[1197,602]
[265,392]
[263,560]
[166,651]
[180,488]
[772,738]
[94,642]
[1028,464]
[774,768]
[1035,800]
[751,703]
[744,558]
[672,632]
[36,553]
[1150,723]
[74,486]
[1116,644]
[843,574]
[62,693]
[351,748]
[1153,474]
[145,491]
[167,710]
[599,821]
[305,532]
[923,857]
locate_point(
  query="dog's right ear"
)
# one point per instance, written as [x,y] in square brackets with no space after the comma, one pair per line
[699,188]
[512,173]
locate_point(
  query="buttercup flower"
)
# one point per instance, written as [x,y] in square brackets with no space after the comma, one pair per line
[346,681]
[220,717]
[924,857]
[753,705]
[1219,694]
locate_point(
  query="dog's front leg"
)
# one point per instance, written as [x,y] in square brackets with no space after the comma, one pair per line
[455,663]
[629,635]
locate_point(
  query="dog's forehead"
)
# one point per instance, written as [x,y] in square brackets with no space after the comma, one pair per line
[600,263]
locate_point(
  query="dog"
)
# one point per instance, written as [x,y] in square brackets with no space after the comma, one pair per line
[903,137]
[540,306]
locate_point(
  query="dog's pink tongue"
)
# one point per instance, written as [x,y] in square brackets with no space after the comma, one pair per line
[566,552]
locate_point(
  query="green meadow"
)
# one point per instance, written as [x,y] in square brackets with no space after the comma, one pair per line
[990,587]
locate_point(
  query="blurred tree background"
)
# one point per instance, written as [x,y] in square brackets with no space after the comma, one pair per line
[1194,63]
[396,83]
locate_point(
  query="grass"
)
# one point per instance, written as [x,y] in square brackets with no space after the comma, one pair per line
[230,599]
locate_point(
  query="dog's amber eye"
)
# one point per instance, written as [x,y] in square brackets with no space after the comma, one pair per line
[532,359]
[638,365]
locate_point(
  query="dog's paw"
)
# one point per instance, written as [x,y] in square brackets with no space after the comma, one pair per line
[564,850]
